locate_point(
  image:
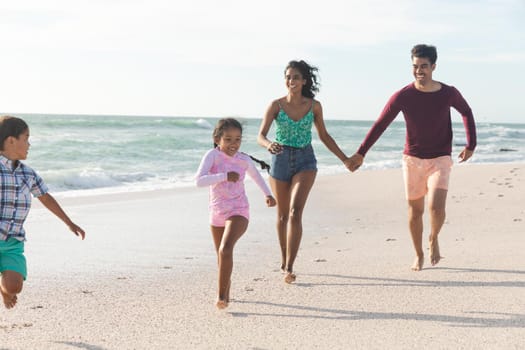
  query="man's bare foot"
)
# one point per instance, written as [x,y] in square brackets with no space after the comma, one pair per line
[221,304]
[435,257]
[9,300]
[418,263]
[289,277]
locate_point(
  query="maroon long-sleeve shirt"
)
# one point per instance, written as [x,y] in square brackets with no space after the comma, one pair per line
[428,121]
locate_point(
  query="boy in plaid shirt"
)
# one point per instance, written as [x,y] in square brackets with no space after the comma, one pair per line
[17,183]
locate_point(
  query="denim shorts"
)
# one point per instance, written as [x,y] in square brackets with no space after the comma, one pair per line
[292,161]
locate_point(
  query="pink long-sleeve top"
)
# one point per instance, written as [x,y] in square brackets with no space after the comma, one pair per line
[428,121]
[213,172]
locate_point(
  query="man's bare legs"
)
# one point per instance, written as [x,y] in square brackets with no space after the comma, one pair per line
[224,239]
[416,208]
[291,200]
[11,283]
[437,201]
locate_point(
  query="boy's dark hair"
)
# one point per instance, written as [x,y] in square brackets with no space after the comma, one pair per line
[11,126]
[425,51]
[227,123]
[309,73]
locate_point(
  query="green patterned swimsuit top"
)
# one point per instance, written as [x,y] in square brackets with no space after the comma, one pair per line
[294,133]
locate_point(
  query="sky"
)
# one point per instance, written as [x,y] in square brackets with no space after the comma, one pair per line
[207,58]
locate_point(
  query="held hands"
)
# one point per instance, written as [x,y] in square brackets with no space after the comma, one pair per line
[465,155]
[270,201]
[354,162]
[233,176]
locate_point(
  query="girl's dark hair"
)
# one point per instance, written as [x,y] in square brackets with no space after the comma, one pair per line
[223,124]
[262,163]
[11,126]
[309,73]
[227,123]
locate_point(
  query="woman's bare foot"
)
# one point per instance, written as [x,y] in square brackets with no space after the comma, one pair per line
[418,263]
[221,304]
[435,257]
[9,300]
[289,277]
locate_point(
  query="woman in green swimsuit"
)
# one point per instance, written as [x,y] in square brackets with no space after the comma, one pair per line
[294,165]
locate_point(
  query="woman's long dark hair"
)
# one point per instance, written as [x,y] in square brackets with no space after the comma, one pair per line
[309,73]
[227,123]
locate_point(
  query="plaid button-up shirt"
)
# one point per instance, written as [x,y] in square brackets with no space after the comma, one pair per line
[16,187]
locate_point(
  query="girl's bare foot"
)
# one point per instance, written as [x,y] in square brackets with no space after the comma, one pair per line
[221,304]
[289,277]
[9,300]
[418,263]
[435,257]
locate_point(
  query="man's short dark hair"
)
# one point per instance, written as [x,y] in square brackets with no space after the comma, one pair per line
[425,51]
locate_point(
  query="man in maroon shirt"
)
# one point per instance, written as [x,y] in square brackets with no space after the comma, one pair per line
[427,161]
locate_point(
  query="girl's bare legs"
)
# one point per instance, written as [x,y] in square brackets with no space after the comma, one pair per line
[291,200]
[11,284]
[224,239]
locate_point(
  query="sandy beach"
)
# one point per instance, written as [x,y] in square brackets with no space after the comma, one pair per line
[145,277]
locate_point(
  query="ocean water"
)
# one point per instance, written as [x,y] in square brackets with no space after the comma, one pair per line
[84,154]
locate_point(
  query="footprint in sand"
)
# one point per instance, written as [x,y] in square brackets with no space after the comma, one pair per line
[15,325]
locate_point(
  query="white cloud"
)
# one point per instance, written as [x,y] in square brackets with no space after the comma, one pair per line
[160,56]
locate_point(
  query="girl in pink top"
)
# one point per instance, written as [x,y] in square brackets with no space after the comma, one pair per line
[223,168]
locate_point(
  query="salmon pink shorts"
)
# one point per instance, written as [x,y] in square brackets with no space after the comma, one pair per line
[423,174]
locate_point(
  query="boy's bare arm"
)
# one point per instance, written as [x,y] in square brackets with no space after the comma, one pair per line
[50,203]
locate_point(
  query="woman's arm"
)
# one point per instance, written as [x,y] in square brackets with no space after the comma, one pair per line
[262,137]
[324,136]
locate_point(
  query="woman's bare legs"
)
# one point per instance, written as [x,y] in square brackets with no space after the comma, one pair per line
[281,191]
[291,199]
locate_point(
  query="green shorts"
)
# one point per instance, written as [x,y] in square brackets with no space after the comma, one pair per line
[12,257]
